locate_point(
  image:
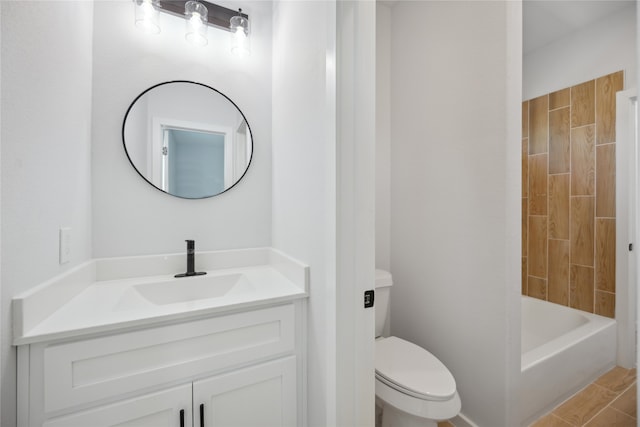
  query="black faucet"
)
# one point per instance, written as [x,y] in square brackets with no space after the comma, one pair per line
[191,261]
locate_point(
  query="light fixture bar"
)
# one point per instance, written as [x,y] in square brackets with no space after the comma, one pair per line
[218,16]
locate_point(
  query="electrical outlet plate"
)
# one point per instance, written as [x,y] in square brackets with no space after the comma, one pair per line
[65,245]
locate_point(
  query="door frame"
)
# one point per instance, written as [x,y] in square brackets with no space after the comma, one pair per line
[355,248]
[627,185]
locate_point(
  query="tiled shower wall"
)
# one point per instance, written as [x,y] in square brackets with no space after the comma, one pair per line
[568,195]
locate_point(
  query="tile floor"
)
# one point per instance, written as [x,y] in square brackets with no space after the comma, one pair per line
[610,401]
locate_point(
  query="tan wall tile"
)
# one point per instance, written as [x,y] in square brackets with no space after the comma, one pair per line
[558,278]
[583,108]
[525,167]
[606,254]
[583,161]
[537,288]
[581,291]
[525,119]
[537,251]
[606,88]
[559,141]
[559,206]
[581,230]
[568,181]
[606,180]
[560,98]
[605,304]
[538,184]
[525,220]
[538,124]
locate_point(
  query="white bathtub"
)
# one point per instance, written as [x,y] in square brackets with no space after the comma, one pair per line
[563,350]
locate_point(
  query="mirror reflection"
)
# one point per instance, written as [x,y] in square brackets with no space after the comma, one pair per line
[187,139]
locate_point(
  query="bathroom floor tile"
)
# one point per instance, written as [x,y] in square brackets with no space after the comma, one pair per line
[626,402]
[612,418]
[618,379]
[445,424]
[609,401]
[551,420]
[585,405]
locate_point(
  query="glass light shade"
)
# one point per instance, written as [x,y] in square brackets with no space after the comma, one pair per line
[147,16]
[240,42]
[196,15]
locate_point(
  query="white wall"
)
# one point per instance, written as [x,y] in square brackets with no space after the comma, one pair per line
[599,49]
[46,143]
[383,135]
[304,177]
[130,216]
[455,200]
[2,357]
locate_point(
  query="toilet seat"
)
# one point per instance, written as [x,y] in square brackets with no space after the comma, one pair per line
[412,370]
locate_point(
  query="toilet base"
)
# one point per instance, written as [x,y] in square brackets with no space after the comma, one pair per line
[392,417]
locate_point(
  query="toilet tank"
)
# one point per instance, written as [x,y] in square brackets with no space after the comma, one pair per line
[383,289]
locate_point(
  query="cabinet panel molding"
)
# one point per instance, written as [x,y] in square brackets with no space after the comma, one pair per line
[262,395]
[161,409]
[80,372]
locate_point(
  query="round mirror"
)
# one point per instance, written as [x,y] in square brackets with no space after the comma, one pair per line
[187,139]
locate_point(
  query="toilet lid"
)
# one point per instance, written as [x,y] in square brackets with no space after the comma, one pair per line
[413,370]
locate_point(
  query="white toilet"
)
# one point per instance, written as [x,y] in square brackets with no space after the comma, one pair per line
[413,388]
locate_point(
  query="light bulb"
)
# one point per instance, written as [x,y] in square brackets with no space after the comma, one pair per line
[147,16]
[196,23]
[240,43]
[241,39]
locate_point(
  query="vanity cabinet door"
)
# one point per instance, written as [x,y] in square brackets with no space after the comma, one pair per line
[262,395]
[168,408]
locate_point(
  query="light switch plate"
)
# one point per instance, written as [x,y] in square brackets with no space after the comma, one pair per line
[65,245]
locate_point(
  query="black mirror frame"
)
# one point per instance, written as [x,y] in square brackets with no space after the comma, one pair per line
[124,142]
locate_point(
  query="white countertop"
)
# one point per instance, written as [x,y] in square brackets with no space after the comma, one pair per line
[94,299]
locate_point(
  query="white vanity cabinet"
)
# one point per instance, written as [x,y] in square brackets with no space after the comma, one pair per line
[239,369]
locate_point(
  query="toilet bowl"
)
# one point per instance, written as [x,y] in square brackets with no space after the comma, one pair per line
[413,387]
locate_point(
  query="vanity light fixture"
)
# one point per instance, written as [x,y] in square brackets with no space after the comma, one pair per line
[148,15]
[199,15]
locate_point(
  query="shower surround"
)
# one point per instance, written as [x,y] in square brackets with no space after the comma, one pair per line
[568,195]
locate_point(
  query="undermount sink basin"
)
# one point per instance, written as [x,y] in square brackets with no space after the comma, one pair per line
[193,288]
